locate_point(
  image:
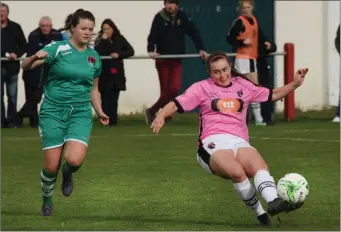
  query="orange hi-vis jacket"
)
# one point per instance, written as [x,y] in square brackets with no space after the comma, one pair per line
[251,32]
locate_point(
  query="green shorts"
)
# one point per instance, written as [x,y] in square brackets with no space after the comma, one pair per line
[58,124]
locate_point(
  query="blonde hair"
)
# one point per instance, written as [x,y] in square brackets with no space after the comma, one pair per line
[251,2]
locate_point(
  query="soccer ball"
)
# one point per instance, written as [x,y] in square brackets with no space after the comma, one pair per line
[293,188]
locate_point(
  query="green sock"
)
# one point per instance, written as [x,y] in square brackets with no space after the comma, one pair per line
[47,181]
[70,168]
[47,200]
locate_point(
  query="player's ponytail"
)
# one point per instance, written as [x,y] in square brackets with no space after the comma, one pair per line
[235,73]
[67,23]
[65,28]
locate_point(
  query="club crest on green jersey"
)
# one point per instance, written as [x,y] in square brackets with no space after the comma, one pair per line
[91,61]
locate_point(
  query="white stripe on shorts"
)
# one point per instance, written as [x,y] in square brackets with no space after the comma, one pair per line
[51,147]
[77,140]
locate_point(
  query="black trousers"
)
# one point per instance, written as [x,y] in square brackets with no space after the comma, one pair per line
[265,80]
[33,95]
[110,104]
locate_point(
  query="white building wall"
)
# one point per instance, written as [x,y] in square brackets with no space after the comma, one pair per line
[293,20]
[332,57]
[303,23]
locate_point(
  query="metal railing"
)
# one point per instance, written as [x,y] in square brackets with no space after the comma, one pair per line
[180,56]
[288,53]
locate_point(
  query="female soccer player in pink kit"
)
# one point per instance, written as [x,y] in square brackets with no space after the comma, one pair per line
[224,148]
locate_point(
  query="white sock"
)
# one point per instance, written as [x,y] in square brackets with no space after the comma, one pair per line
[265,185]
[248,194]
[256,112]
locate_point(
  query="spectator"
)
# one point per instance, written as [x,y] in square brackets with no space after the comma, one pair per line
[264,79]
[337,45]
[110,42]
[13,45]
[244,36]
[167,36]
[34,79]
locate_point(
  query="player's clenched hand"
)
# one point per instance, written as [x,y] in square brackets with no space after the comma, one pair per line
[41,55]
[157,124]
[299,76]
[204,55]
[103,118]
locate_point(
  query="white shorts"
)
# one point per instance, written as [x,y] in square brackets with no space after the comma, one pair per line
[244,66]
[217,142]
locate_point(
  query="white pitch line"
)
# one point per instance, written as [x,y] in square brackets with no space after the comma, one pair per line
[190,135]
[297,139]
[251,137]
[308,130]
[38,137]
[180,134]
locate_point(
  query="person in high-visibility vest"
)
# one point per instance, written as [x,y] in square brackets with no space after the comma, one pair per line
[245,35]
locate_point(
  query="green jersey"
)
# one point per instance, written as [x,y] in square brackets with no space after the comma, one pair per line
[70,74]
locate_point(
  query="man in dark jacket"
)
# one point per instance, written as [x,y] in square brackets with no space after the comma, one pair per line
[337,46]
[265,79]
[13,45]
[34,79]
[167,36]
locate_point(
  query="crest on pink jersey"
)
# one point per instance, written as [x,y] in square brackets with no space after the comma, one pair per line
[240,93]
[211,145]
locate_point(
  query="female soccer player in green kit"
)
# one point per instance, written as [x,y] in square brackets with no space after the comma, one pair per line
[65,118]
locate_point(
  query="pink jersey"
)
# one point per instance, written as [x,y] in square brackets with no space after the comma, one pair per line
[222,109]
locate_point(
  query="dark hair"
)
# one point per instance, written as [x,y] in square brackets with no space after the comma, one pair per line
[72,20]
[215,56]
[112,25]
[66,22]
[171,1]
[5,5]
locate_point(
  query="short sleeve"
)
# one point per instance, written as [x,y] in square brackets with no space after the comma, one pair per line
[98,67]
[51,50]
[260,94]
[254,93]
[189,100]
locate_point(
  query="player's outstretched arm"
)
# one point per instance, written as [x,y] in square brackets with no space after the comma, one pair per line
[283,91]
[159,121]
[34,61]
